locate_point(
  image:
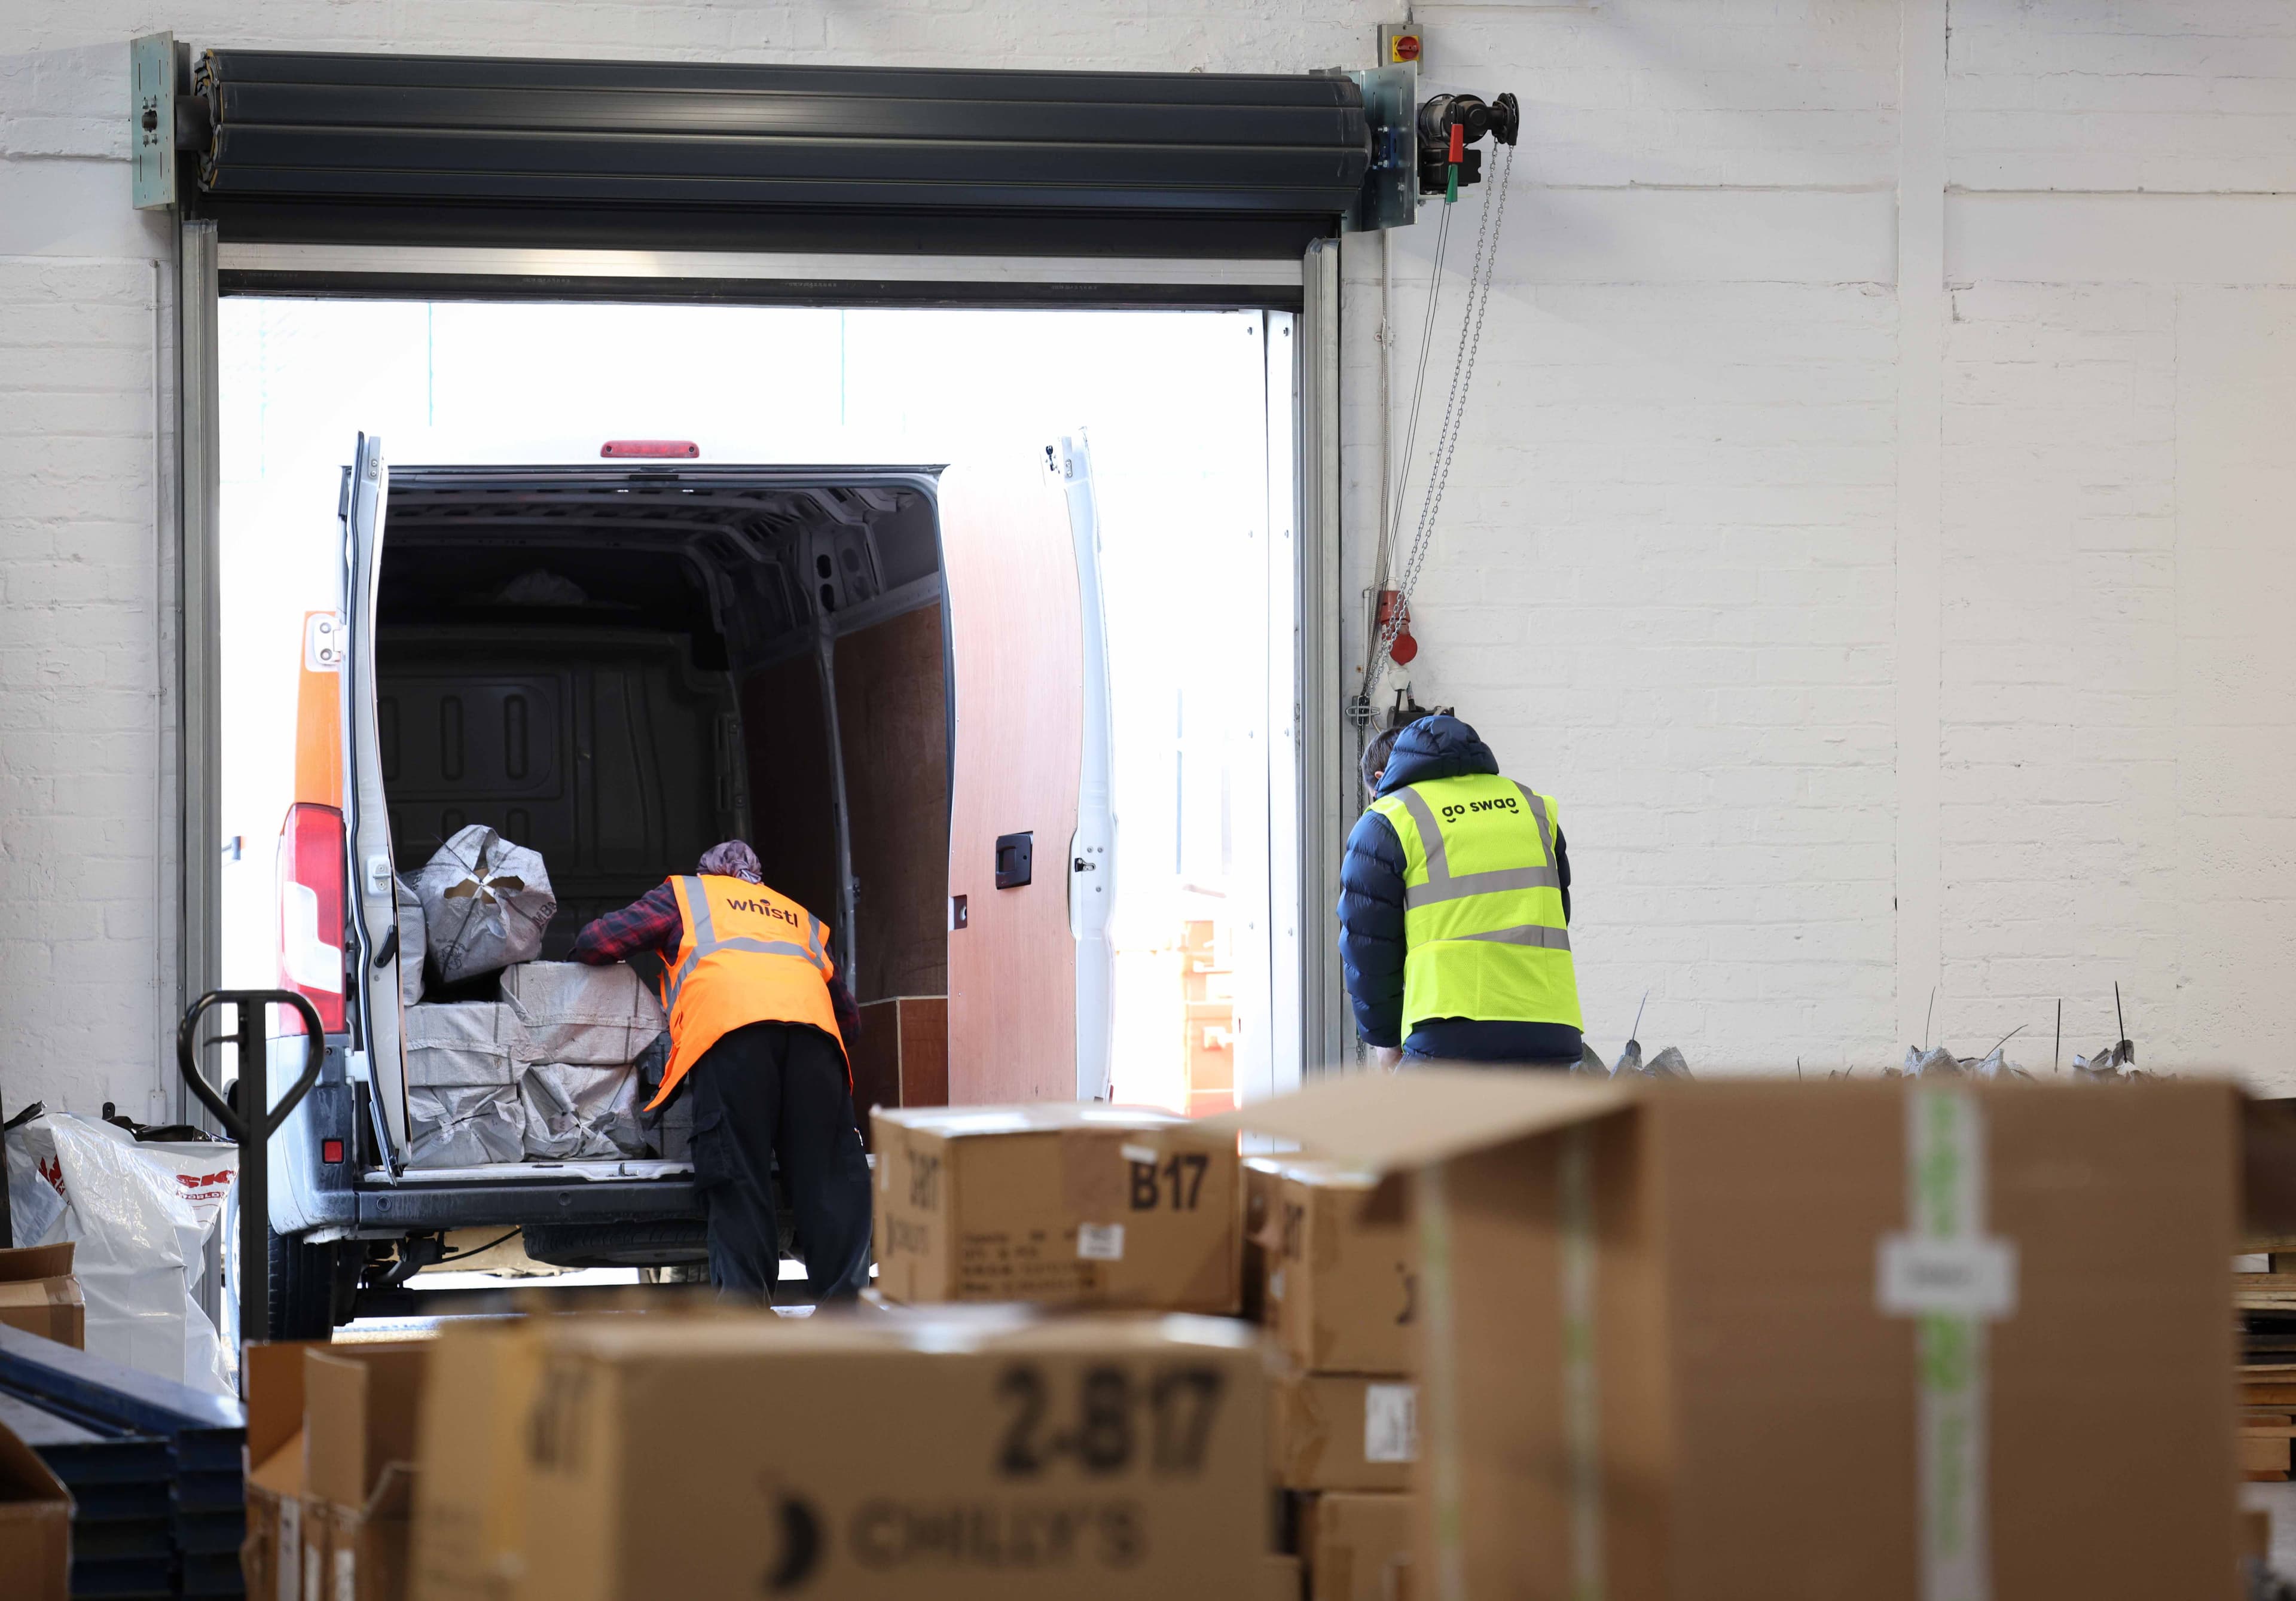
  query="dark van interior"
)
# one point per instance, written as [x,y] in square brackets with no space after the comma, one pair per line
[619,669]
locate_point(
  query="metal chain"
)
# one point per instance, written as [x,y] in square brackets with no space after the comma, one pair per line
[1463,370]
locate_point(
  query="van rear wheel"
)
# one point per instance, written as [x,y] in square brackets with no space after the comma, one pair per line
[313,1287]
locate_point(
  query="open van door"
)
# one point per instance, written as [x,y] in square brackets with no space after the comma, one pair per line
[1031,871]
[367,819]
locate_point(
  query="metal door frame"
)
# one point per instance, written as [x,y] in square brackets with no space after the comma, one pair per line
[1309,286]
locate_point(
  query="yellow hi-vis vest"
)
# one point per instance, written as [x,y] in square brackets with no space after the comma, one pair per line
[749,956]
[1483,903]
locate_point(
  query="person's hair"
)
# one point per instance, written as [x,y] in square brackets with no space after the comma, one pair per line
[1376,751]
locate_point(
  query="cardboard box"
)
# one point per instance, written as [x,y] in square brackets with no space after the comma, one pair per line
[1260,1174]
[1357,1548]
[1762,1339]
[966,1454]
[1341,1288]
[35,1525]
[1287,1580]
[1342,1431]
[39,1295]
[470,1491]
[271,1555]
[360,1404]
[1061,1202]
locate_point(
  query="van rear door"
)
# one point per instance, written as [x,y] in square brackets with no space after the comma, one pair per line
[373,896]
[1017,857]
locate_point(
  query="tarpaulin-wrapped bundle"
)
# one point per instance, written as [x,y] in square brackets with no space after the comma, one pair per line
[576,1109]
[575,1013]
[462,1065]
[485,903]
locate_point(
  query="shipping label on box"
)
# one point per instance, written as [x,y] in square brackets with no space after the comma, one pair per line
[970,1455]
[1342,1289]
[1063,1203]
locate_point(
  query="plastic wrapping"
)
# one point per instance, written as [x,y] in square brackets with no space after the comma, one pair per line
[414,942]
[465,1127]
[485,903]
[463,1043]
[462,1065]
[140,1243]
[583,1015]
[573,1111]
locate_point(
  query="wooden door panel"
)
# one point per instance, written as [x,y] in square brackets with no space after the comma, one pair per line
[1017,648]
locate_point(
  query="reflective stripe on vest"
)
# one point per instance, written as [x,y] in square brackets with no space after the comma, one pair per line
[1482,897]
[733,969]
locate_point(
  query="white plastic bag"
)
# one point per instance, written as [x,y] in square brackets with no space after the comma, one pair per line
[485,903]
[574,1109]
[141,1244]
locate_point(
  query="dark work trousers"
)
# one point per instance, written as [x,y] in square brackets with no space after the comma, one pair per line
[778,1087]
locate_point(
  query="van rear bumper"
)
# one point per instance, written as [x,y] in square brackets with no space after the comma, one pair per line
[407,1208]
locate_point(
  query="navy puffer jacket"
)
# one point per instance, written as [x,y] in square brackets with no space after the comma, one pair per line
[1371,916]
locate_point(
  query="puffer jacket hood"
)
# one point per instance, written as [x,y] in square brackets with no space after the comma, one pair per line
[1435,747]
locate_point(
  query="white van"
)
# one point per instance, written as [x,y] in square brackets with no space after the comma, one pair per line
[889,679]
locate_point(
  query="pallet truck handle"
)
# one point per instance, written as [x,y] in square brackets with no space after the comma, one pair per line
[262,1122]
[252,1127]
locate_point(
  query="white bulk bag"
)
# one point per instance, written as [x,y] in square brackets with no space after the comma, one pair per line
[583,1015]
[485,903]
[462,1062]
[575,1110]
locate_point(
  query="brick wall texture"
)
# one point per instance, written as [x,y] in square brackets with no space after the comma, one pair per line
[1664,582]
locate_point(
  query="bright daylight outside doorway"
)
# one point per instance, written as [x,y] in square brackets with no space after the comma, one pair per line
[1174,404]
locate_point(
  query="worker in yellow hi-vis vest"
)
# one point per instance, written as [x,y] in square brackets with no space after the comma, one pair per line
[757,1021]
[1454,907]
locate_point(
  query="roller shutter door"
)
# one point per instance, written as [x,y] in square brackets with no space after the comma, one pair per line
[412,150]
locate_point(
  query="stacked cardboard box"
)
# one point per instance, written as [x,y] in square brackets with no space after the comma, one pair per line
[331,1453]
[39,1295]
[35,1525]
[1339,1294]
[952,1452]
[1810,1341]
[1063,1204]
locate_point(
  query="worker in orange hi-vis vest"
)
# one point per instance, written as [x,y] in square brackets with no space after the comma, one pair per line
[757,1021]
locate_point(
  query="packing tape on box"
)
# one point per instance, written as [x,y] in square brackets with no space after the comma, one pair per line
[1582,1399]
[1581,1404]
[1446,1482]
[1947,1274]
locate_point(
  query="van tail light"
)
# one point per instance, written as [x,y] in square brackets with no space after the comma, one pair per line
[311,908]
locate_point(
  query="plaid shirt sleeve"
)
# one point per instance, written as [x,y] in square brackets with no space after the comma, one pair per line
[650,923]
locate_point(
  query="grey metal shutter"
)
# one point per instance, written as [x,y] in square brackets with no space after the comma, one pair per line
[672,154]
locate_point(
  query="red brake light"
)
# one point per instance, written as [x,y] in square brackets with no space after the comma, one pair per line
[681,449]
[311,908]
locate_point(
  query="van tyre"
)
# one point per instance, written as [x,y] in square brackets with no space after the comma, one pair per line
[313,1287]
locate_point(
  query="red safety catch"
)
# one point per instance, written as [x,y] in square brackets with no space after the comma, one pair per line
[1458,144]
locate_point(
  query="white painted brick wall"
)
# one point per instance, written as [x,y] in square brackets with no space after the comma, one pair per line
[77,680]
[1665,581]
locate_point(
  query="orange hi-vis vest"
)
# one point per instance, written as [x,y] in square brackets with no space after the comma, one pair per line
[749,956]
